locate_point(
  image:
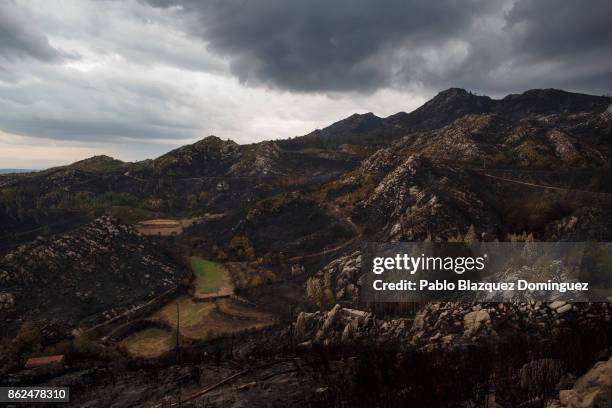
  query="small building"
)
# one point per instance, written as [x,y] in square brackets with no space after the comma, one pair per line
[44,361]
[161,227]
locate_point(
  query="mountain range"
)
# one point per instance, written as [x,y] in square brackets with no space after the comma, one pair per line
[289,217]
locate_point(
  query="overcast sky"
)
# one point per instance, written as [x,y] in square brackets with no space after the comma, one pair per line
[134,79]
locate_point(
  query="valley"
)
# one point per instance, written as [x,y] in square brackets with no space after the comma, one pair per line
[219,271]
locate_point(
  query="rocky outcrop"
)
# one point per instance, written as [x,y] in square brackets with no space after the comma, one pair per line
[584,224]
[344,274]
[419,190]
[592,390]
[439,324]
[262,159]
[210,156]
[447,325]
[569,150]
[344,326]
[473,321]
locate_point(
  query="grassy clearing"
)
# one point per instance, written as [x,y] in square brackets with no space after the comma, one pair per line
[207,320]
[211,277]
[191,313]
[148,343]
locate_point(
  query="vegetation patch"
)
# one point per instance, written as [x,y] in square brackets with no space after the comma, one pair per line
[190,312]
[211,277]
[148,343]
[131,215]
[202,321]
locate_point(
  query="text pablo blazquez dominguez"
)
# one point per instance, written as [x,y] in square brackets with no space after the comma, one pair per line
[459,265]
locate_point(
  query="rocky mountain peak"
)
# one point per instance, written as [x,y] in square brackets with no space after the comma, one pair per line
[443,109]
[454,93]
[101,158]
[208,156]
[97,163]
[213,140]
[452,98]
[354,123]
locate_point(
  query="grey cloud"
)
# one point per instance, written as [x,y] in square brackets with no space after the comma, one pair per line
[571,37]
[358,45]
[91,130]
[321,45]
[68,105]
[20,39]
[563,28]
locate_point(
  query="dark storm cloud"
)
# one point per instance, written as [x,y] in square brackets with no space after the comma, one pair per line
[563,28]
[20,39]
[360,45]
[573,37]
[324,45]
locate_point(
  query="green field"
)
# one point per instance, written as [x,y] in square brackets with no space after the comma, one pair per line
[211,277]
[148,343]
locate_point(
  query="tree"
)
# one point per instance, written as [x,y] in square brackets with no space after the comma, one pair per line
[314,291]
[328,292]
[29,338]
[242,248]
[470,236]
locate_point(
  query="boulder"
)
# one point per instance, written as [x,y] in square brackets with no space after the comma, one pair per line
[592,390]
[472,321]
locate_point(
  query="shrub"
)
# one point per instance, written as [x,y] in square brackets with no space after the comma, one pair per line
[242,248]
[29,339]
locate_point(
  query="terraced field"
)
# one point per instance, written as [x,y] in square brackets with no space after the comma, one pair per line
[209,314]
[207,320]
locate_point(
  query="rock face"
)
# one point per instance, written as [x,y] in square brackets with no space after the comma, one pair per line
[584,224]
[469,323]
[592,390]
[344,274]
[472,321]
[101,268]
[419,190]
[447,325]
[345,326]
[263,159]
[494,141]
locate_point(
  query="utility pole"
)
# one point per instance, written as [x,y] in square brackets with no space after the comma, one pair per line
[291,328]
[178,333]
